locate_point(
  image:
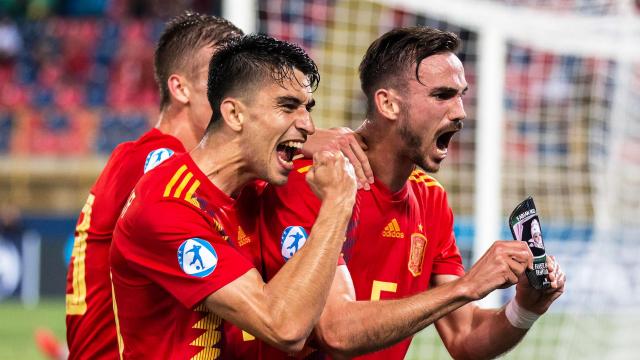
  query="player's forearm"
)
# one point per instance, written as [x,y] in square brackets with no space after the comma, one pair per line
[491,335]
[350,328]
[298,292]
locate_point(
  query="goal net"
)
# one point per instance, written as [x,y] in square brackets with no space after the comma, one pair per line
[553,112]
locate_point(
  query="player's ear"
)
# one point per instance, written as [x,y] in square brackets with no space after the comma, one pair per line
[233,113]
[386,101]
[178,89]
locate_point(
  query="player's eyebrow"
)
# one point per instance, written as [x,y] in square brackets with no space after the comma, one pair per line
[294,102]
[446,92]
[288,100]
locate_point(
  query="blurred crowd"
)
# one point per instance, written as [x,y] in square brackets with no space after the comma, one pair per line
[77,75]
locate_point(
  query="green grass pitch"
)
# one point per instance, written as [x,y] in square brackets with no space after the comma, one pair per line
[17,326]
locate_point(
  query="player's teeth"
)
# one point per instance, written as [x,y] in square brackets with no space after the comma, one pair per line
[293,144]
[299,156]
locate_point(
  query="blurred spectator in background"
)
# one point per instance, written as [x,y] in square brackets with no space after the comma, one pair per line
[11,227]
[10,42]
[11,230]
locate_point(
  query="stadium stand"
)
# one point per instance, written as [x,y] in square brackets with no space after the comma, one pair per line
[68,96]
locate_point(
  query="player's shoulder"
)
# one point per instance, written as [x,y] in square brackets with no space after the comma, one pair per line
[155,147]
[420,178]
[120,169]
[146,152]
[176,180]
[426,186]
[154,138]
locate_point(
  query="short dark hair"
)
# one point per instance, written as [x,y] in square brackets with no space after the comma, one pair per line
[392,54]
[245,62]
[180,41]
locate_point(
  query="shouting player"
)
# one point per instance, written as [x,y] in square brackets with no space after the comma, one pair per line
[169,304]
[403,241]
[181,64]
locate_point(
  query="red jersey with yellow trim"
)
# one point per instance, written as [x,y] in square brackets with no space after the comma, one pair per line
[401,239]
[172,247]
[91,330]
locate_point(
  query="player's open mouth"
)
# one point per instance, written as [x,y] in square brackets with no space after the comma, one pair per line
[442,141]
[287,151]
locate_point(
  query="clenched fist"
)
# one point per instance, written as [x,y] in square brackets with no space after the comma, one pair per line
[332,177]
[500,267]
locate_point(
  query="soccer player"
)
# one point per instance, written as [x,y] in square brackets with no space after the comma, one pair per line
[403,243]
[181,64]
[170,303]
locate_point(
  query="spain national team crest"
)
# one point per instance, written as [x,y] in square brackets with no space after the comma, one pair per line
[416,257]
[293,239]
[197,257]
[156,157]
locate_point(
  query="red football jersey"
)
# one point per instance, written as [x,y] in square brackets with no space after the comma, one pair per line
[399,241]
[171,249]
[91,331]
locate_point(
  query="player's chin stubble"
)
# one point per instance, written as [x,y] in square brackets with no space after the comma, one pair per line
[413,144]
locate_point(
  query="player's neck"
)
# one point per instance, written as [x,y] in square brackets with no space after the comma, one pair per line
[176,123]
[220,157]
[388,166]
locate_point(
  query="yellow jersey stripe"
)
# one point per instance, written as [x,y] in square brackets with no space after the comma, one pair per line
[426,179]
[433,183]
[183,184]
[207,354]
[304,169]
[189,195]
[115,312]
[208,340]
[174,179]
[76,302]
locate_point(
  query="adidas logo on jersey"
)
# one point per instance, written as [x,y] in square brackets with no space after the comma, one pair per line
[392,230]
[243,239]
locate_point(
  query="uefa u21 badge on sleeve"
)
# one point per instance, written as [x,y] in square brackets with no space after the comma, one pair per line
[525,226]
[197,257]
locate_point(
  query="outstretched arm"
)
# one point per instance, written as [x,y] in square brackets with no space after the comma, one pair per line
[348,327]
[284,311]
[474,333]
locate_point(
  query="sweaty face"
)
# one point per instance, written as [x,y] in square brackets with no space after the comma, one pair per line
[431,110]
[278,123]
